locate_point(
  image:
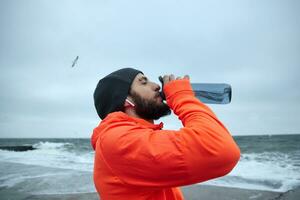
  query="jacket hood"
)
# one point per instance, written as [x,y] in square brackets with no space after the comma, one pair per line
[120,117]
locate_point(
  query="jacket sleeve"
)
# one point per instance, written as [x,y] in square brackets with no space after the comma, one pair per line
[203,149]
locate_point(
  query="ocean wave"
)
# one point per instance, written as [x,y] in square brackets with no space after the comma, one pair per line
[43,180]
[51,154]
[53,145]
[272,171]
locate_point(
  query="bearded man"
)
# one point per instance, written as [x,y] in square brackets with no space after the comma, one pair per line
[136,159]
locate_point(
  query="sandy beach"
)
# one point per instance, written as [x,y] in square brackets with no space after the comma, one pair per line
[194,192]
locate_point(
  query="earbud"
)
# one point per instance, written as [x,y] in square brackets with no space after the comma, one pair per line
[128,101]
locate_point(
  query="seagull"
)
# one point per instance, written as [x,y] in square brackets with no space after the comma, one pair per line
[75,61]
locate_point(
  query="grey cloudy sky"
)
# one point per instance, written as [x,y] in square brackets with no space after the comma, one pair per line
[252,45]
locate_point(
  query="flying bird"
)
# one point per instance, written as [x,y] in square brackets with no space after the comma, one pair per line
[75,61]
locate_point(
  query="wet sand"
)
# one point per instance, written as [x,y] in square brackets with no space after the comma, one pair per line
[194,192]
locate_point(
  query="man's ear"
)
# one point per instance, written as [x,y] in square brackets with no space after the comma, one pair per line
[128,103]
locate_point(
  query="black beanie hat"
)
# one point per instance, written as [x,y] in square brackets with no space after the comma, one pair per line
[112,90]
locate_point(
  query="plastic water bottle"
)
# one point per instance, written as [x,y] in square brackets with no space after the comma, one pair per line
[213,93]
[210,93]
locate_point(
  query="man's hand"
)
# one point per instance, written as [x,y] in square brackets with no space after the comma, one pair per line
[166,79]
[171,77]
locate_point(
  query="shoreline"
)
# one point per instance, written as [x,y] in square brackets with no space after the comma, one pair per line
[192,192]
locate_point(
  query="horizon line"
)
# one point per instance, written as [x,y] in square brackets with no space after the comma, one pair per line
[280,134]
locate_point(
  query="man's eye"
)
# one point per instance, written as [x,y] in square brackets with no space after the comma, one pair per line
[144,82]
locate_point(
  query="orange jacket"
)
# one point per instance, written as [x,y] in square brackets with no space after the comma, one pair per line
[136,160]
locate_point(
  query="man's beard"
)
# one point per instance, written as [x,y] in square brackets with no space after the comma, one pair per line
[149,109]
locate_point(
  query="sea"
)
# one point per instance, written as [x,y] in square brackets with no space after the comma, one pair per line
[64,166]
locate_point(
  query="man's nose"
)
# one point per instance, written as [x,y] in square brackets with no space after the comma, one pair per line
[156,87]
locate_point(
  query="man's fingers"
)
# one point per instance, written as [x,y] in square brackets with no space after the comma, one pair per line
[186,77]
[171,77]
[166,79]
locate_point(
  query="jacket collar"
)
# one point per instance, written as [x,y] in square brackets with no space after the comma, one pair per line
[124,116]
